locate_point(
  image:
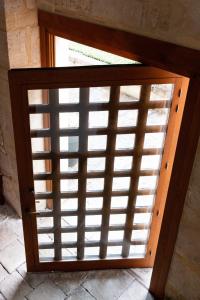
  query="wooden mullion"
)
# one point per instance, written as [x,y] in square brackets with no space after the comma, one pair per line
[54,128]
[44,107]
[45,230]
[48,155]
[45,132]
[139,141]
[112,125]
[83,124]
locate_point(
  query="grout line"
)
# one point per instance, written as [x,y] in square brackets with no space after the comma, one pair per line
[134,279]
[139,279]
[89,292]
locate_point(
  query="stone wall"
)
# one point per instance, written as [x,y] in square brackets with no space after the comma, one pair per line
[20,48]
[174,21]
[7,149]
[184,277]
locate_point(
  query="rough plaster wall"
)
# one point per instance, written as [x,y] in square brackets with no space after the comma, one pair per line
[21,48]
[22,33]
[174,21]
[184,276]
[7,149]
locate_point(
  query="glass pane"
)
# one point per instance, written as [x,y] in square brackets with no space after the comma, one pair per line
[93,236]
[94,220]
[143,218]
[40,166]
[121,183]
[37,97]
[161,91]
[95,184]
[150,162]
[69,237]
[69,221]
[43,204]
[37,121]
[137,251]
[97,142]
[115,235]
[127,118]
[147,182]
[99,94]
[45,238]
[94,203]
[46,254]
[154,140]
[98,119]
[125,141]
[69,120]
[69,253]
[69,204]
[123,163]
[114,250]
[96,164]
[69,165]
[69,143]
[42,186]
[40,144]
[146,200]
[91,251]
[119,202]
[44,222]
[69,185]
[69,96]
[118,219]
[130,93]
[140,235]
[157,116]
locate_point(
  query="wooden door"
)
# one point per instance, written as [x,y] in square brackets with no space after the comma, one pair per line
[109,147]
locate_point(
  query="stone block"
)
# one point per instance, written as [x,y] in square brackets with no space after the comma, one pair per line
[143,275]
[45,291]
[183,280]
[68,281]
[3,273]
[14,287]
[137,292]
[33,279]
[80,294]
[7,235]
[109,284]
[12,256]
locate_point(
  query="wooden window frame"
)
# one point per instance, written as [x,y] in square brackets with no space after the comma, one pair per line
[170,57]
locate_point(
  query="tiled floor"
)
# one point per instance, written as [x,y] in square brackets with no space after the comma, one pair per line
[17,284]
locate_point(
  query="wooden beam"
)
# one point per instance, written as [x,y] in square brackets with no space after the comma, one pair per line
[157,53]
[182,168]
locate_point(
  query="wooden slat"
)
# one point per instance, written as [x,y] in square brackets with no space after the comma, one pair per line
[84,100]
[47,245]
[48,195]
[91,212]
[49,176]
[112,124]
[46,230]
[139,141]
[98,131]
[45,108]
[54,123]
[62,155]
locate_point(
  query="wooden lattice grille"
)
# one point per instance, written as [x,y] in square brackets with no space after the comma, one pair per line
[136,126]
[94,157]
